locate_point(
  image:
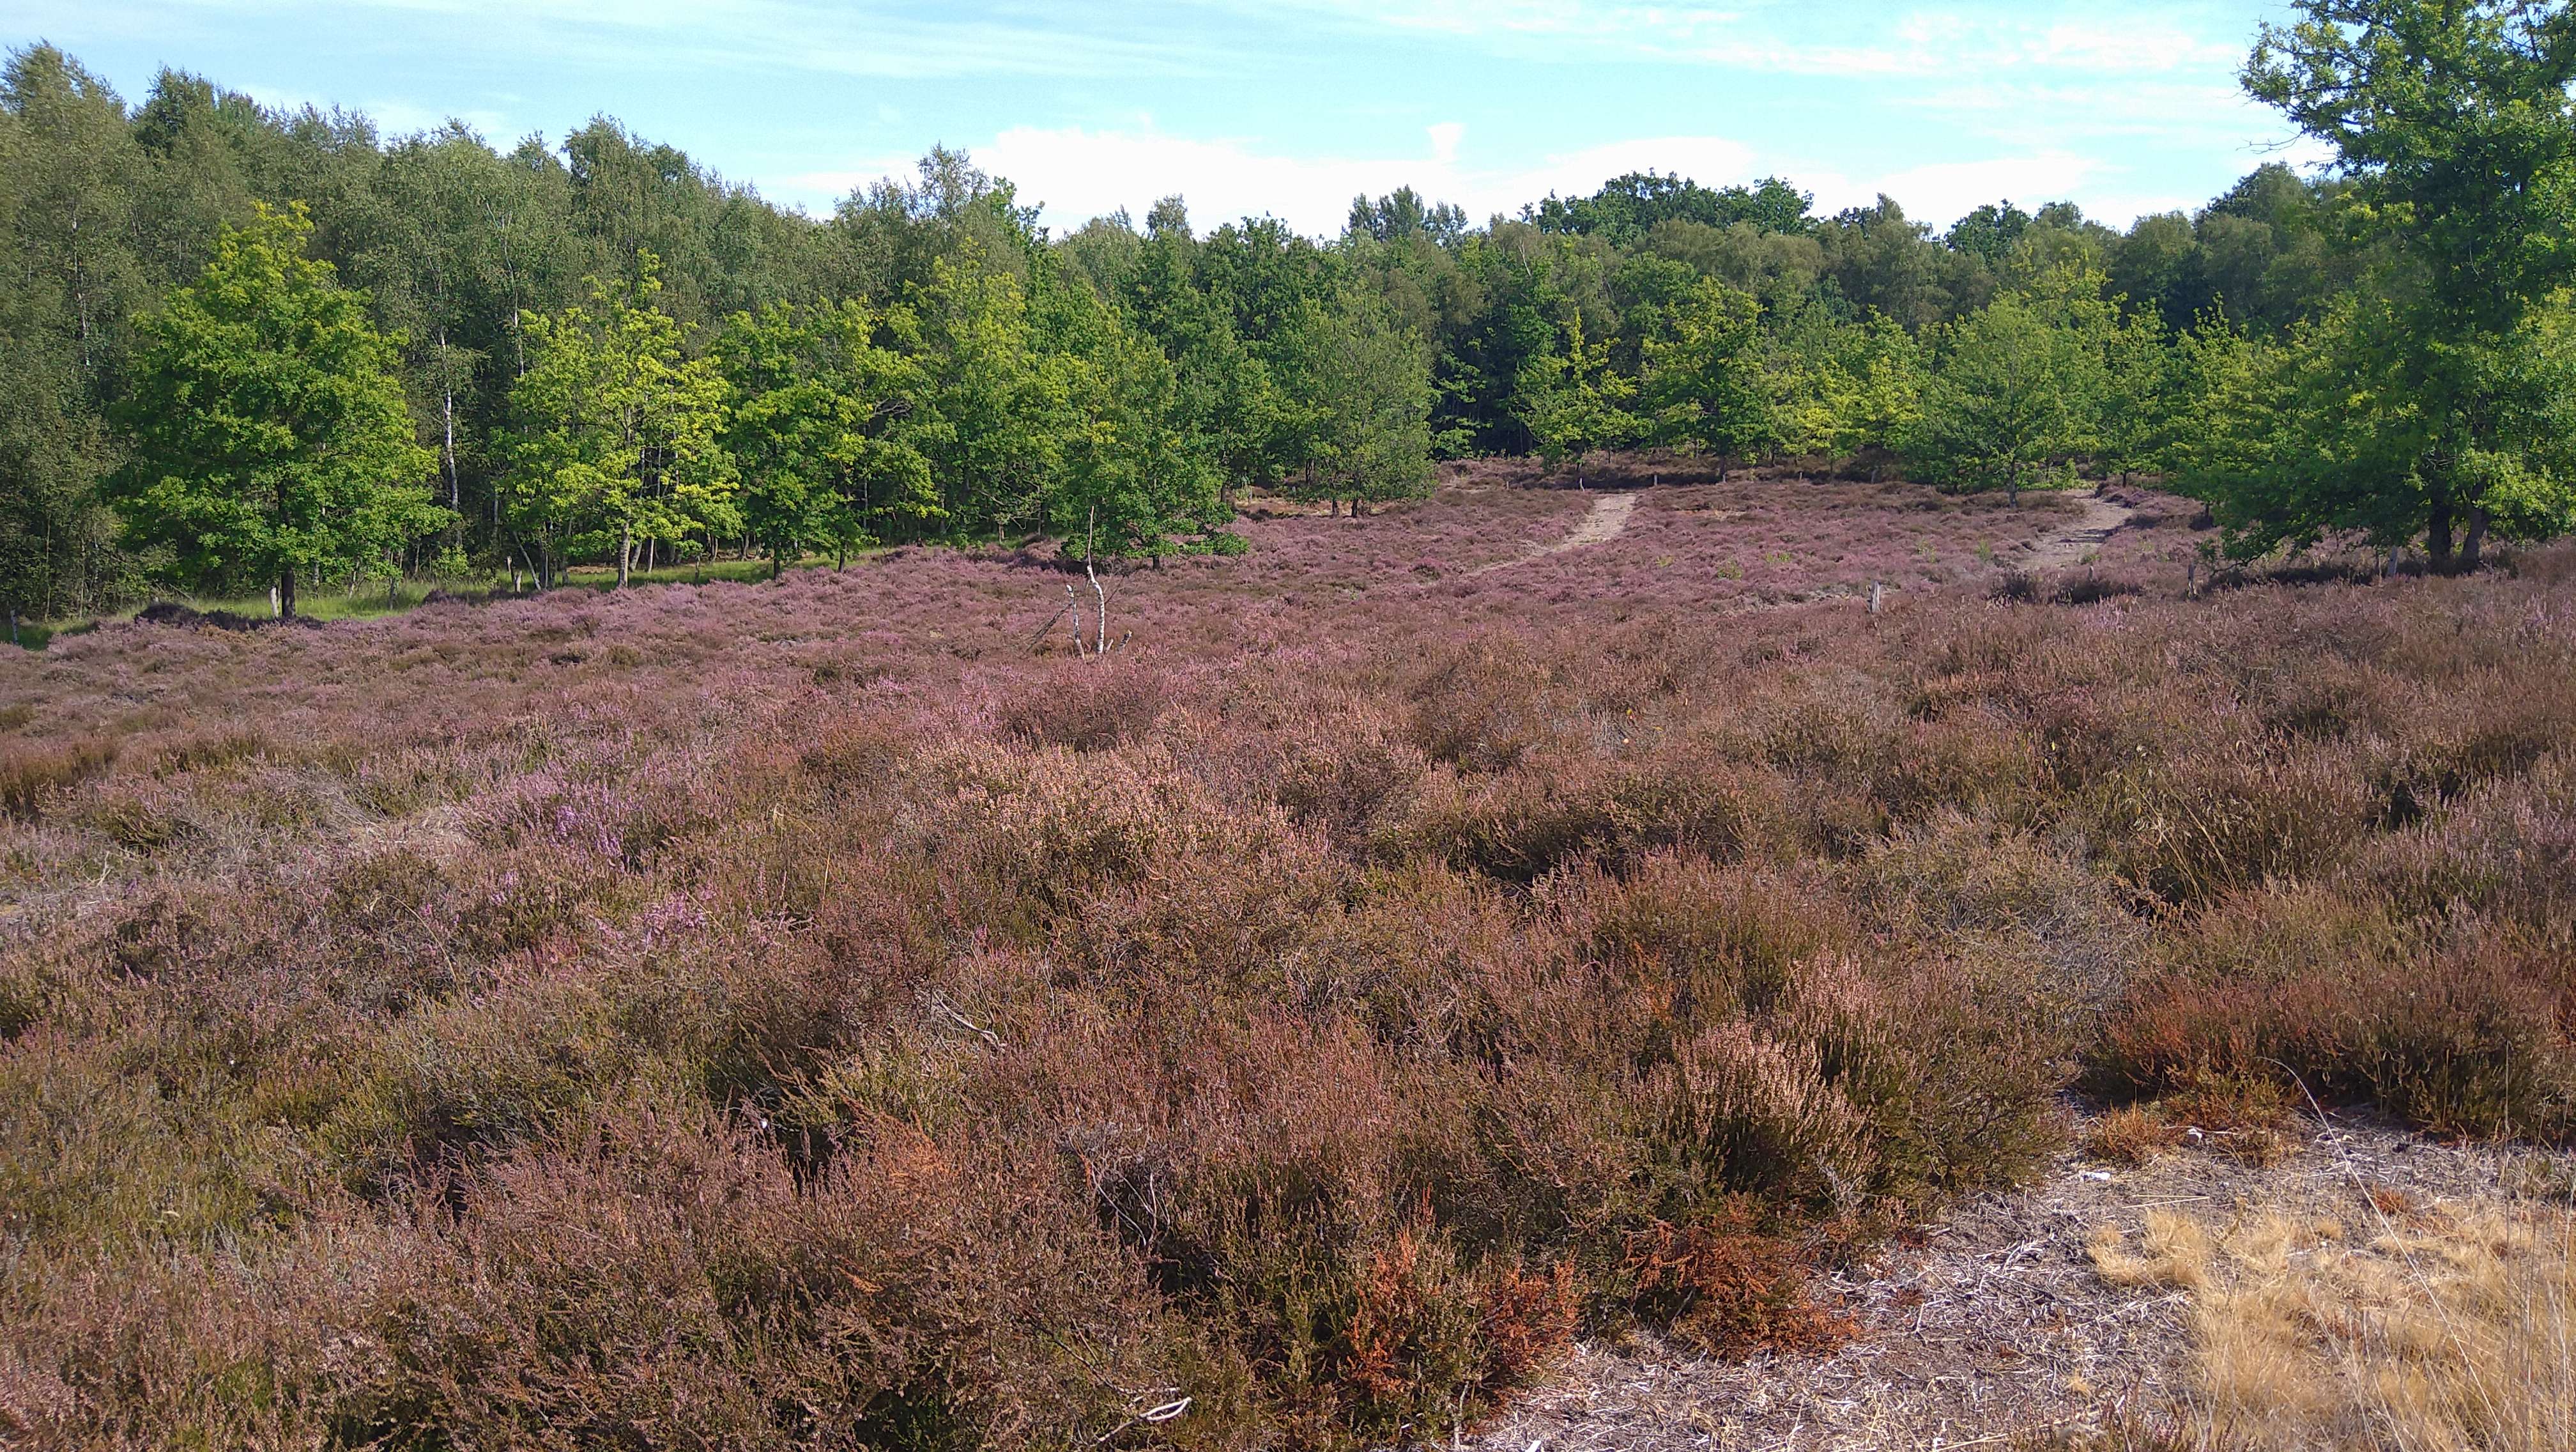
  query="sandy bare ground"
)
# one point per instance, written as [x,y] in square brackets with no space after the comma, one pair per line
[2101,519]
[1993,1324]
[1607,521]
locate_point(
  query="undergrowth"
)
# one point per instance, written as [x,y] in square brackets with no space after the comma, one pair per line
[793,1014]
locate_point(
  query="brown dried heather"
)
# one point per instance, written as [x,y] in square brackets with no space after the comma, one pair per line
[793,1014]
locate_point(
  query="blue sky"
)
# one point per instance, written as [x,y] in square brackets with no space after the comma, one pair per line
[1290,106]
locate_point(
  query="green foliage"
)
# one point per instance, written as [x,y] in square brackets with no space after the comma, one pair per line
[926,362]
[1133,478]
[990,400]
[1364,403]
[1705,384]
[2324,431]
[1578,402]
[1627,207]
[2022,388]
[819,427]
[619,433]
[2453,124]
[268,433]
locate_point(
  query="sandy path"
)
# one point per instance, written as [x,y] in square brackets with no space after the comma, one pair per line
[1607,521]
[2101,519]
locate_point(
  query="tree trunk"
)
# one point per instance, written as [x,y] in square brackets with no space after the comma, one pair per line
[2476,540]
[447,424]
[286,593]
[842,558]
[2437,536]
[625,552]
[1090,546]
[777,561]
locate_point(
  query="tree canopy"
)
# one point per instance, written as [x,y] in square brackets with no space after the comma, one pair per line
[615,357]
[268,432]
[2452,123]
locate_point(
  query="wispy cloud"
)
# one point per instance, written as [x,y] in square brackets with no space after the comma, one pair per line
[1078,173]
[880,40]
[1291,106]
[1847,38]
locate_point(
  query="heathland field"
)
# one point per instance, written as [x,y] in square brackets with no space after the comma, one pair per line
[834,1012]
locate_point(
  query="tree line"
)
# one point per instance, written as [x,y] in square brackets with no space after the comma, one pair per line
[602,353]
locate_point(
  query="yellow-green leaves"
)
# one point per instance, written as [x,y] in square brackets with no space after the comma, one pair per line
[618,437]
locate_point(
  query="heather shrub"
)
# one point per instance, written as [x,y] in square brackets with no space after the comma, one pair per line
[2464,1037]
[33,775]
[1727,1287]
[1085,705]
[1704,943]
[2193,827]
[204,751]
[1352,776]
[2505,850]
[1569,810]
[474,1073]
[1051,825]
[1748,1114]
[2477,1045]
[137,816]
[1953,766]
[1482,706]
[21,1001]
[646,1274]
[803,1017]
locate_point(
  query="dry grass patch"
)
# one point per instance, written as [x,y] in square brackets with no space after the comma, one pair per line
[2450,1326]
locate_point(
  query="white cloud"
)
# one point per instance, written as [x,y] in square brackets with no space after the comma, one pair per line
[1848,41]
[1553,20]
[1942,192]
[1079,173]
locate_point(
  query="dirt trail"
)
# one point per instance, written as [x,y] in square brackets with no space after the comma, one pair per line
[1607,521]
[2101,519]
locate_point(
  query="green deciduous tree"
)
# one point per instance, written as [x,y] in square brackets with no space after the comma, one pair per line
[991,421]
[2452,120]
[1705,385]
[69,173]
[618,435]
[1130,476]
[2321,431]
[819,427]
[1579,403]
[1363,398]
[1839,388]
[2016,394]
[268,434]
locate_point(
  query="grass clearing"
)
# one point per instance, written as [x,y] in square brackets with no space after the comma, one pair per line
[2404,1326]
